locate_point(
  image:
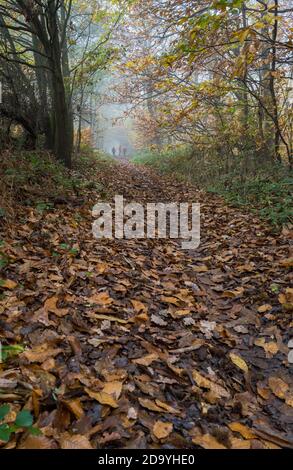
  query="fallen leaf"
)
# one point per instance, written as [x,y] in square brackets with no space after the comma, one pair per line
[139,307]
[167,407]
[278,387]
[146,360]
[75,407]
[162,430]
[114,389]
[110,318]
[8,284]
[287,263]
[41,353]
[203,382]
[102,397]
[207,442]
[157,406]
[264,308]
[158,320]
[270,348]
[242,429]
[233,293]
[200,269]
[37,442]
[103,298]
[74,441]
[150,405]
[239,362]
[51,306]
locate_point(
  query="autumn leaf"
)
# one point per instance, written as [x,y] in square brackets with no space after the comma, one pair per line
[167,407]
[242,429]
[113,389]
[150,405]
[74,441]
[51,306]
[207,442]
[239,362]
[200,269]
[234,293]
[278,387]
[270,348]
[102,397]
[146,360]
[170,300]
[75,407]
[157,406]
[7,284]
[264,308]
[162,430]
[204,382]
[41,353]
[37,442]
[287,263]
[138,306]
[103,298]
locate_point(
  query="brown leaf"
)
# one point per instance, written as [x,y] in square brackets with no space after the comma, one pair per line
[278,387]
[239,362]
[51,306]
[203,382]
[102,397]
[287,263]
[75,407]
[103,298]
[242,429]
[150,405]
[207,442]
[114,389]
[41,353]
[271,348]
[233,293]
[162,430]
[146,360]
[8,284]
[200,269]
[74,441]
[264,308]
[37,442]
[138,306]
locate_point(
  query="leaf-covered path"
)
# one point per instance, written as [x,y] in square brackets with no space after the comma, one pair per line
[140,344]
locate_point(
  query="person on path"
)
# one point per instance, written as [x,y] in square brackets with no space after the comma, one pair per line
[114,152]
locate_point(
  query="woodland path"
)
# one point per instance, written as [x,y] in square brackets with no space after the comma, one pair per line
[140,344]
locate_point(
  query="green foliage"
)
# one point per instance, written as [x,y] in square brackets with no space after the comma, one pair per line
[24,420]
[262,188]
[44,206]
[4,260]
[7,352]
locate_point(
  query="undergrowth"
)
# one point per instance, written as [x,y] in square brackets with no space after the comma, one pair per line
[265,189]
[35,178]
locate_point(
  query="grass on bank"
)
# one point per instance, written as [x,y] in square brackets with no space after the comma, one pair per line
[35,178]
[262,188]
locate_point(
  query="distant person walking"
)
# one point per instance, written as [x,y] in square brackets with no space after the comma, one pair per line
[114,151]
[125,152]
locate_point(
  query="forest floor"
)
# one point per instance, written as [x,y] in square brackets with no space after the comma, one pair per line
[139,343]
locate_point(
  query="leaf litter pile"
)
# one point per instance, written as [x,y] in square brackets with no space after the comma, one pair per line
[138,343]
